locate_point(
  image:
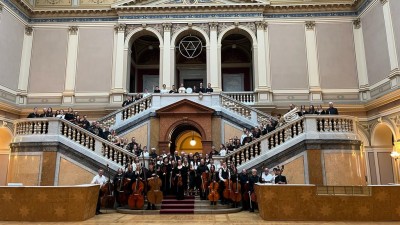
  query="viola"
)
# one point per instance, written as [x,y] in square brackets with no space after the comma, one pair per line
[136,199]
[154,195]
[236,194]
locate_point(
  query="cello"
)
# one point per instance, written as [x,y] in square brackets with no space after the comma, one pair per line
[214,195]
[154,195]
[228,188]
[236,195]
[204,179]
[136,199]
[108,199]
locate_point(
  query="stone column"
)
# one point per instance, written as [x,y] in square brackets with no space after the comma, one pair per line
[25,65]
[391,41]
[166,76]
[361,61]
[118,88]
[312,62]
[263,79]
[215,73]
[72,57]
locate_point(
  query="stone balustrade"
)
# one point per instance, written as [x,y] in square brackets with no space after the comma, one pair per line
[245,97]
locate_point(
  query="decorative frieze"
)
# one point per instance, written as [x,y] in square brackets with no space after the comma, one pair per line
[120,27]
[28,30]
[53,2]
[357,23]
[73,30]
[310,25]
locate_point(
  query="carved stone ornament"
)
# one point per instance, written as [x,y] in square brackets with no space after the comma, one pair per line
[73,30]
[167,26]
[120,27]
[213,26]
[357,23]
[261,25]
[310,25]
[28,30]
[223,26]
[251,26]
[383,1]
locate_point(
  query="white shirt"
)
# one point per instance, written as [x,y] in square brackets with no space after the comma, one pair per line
[225,170]
[61,116]
[164,91]
[222,152]
[182,90]
[99,180]
[146,154]
[268,178]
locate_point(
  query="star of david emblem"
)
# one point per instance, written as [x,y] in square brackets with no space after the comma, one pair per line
[190,47]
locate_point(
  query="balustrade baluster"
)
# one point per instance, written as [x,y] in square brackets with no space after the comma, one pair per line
[326,125]
[73,137]
[91,143]
[78,137]
[288,134]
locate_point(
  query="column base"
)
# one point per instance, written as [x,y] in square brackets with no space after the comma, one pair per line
[316,95]
[264,96]
[22,98]
[117,96]
[68,97]
[365,93]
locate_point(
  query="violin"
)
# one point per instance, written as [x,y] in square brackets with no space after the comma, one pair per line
[136,199]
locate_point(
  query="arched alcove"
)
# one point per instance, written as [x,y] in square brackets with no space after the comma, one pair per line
[5,140]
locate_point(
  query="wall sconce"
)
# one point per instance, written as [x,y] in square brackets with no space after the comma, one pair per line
[193,142]
[396,149]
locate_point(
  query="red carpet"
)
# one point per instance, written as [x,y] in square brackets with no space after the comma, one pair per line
[172,206]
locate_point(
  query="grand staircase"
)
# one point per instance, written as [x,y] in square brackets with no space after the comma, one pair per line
[93,150]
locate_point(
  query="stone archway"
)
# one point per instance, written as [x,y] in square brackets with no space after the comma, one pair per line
[183,116]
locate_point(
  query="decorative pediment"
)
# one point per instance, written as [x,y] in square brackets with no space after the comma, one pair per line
[185,3]
[185,107]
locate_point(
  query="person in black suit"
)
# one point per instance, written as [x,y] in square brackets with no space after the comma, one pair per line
[279,178]
[34,114]
[201,88]
[127,101]
[157,90]
[209,89]
[331,110]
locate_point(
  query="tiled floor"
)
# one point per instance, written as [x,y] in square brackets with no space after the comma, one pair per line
[246,218]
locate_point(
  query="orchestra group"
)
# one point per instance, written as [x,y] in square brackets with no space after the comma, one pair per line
[180,177]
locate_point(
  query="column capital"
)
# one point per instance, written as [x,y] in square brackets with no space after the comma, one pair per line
[73,30]
[213,26]
[310,25]
[120,27]
[357,23]
[28,30]
[167,26]
[383,1]
[261,25]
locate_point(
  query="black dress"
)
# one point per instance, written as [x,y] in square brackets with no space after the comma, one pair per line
[180,189]
[165,175]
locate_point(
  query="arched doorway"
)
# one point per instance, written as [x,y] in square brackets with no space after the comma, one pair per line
[5,140]
[380,163]
[144,62]
[186,138]
[236,62]
[190,58]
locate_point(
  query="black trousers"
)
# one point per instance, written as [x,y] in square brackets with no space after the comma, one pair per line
[98,202]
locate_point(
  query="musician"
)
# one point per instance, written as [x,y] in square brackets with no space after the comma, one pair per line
[128,101]
[201,89]
[176,156]
[244,182]
[130,176]
[234,179]
[213,177]
[199,171]
[153,153]
[266,177]
[180,180]
[101,180]
[224,174]
[213,152]
[280,179]
[192,179]
[331,110]
[254,178]
[151,173]
[209,88]
[165,175]
[118,185]
[34,114]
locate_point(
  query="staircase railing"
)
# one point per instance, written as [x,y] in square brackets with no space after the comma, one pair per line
[127,111]
[88,140]
[244,110]
[316,126]
[246,97]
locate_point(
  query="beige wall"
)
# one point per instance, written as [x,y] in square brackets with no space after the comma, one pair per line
[336,55]
[343,168]
[5,140]
[294,171]
[95,58]
[24,169]
[11,40]
[72,174]
[385,168]
[376,48]
[288,56]
[230,132]
[48,62]
[395,7]
[140,134]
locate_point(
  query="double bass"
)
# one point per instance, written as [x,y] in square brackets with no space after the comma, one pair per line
[136,199]
[228,189]
[108,199]
[154,195]
[236,194]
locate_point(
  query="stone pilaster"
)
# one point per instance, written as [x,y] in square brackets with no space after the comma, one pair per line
[118,88]
[312,62]
[25,65]
[214,73]
[167,75]
[72,57]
